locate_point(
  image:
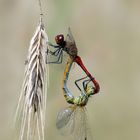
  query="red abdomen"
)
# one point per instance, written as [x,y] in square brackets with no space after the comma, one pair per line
[80,63]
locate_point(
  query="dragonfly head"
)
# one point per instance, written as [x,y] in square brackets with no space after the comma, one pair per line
[59,39]
[89,90]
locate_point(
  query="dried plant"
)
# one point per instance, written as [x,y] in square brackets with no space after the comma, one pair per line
[32,101]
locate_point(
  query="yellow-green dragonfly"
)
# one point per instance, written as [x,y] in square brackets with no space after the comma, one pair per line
[73,120]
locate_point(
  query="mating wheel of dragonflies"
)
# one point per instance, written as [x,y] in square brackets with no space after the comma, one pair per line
[69,46]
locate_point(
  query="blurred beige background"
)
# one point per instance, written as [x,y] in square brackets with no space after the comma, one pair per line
[107,35]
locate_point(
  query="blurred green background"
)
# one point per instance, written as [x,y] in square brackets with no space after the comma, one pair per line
[107,35]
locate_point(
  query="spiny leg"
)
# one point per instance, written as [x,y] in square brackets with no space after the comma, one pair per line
[54,46]
[85,83]
[59,54]
[60,57]
[55,53]
[76,82]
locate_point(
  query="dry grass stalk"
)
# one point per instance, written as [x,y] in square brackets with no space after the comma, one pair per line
[32,102]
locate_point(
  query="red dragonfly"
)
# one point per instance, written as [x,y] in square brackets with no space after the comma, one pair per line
[69,46]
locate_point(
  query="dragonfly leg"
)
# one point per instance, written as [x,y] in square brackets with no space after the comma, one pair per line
[76,82]
[85,83]
[55,53]
[54,46]
[60,57]
[59,54]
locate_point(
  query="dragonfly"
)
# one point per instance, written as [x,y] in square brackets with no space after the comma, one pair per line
[68,46]
[73,119]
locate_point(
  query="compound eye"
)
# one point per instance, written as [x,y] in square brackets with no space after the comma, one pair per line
[59,39]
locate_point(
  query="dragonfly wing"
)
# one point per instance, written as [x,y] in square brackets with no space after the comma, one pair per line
[70,43]
[65,121]
[81,126]
[70,37]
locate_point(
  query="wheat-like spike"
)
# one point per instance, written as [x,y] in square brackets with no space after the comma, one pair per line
[32,101]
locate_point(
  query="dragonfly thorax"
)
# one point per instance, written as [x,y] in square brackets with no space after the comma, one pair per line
[71,49]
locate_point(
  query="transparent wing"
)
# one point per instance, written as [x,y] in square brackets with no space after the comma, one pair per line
[81,126]
[70,44]
[70,37]
[65,120]
[73,120]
